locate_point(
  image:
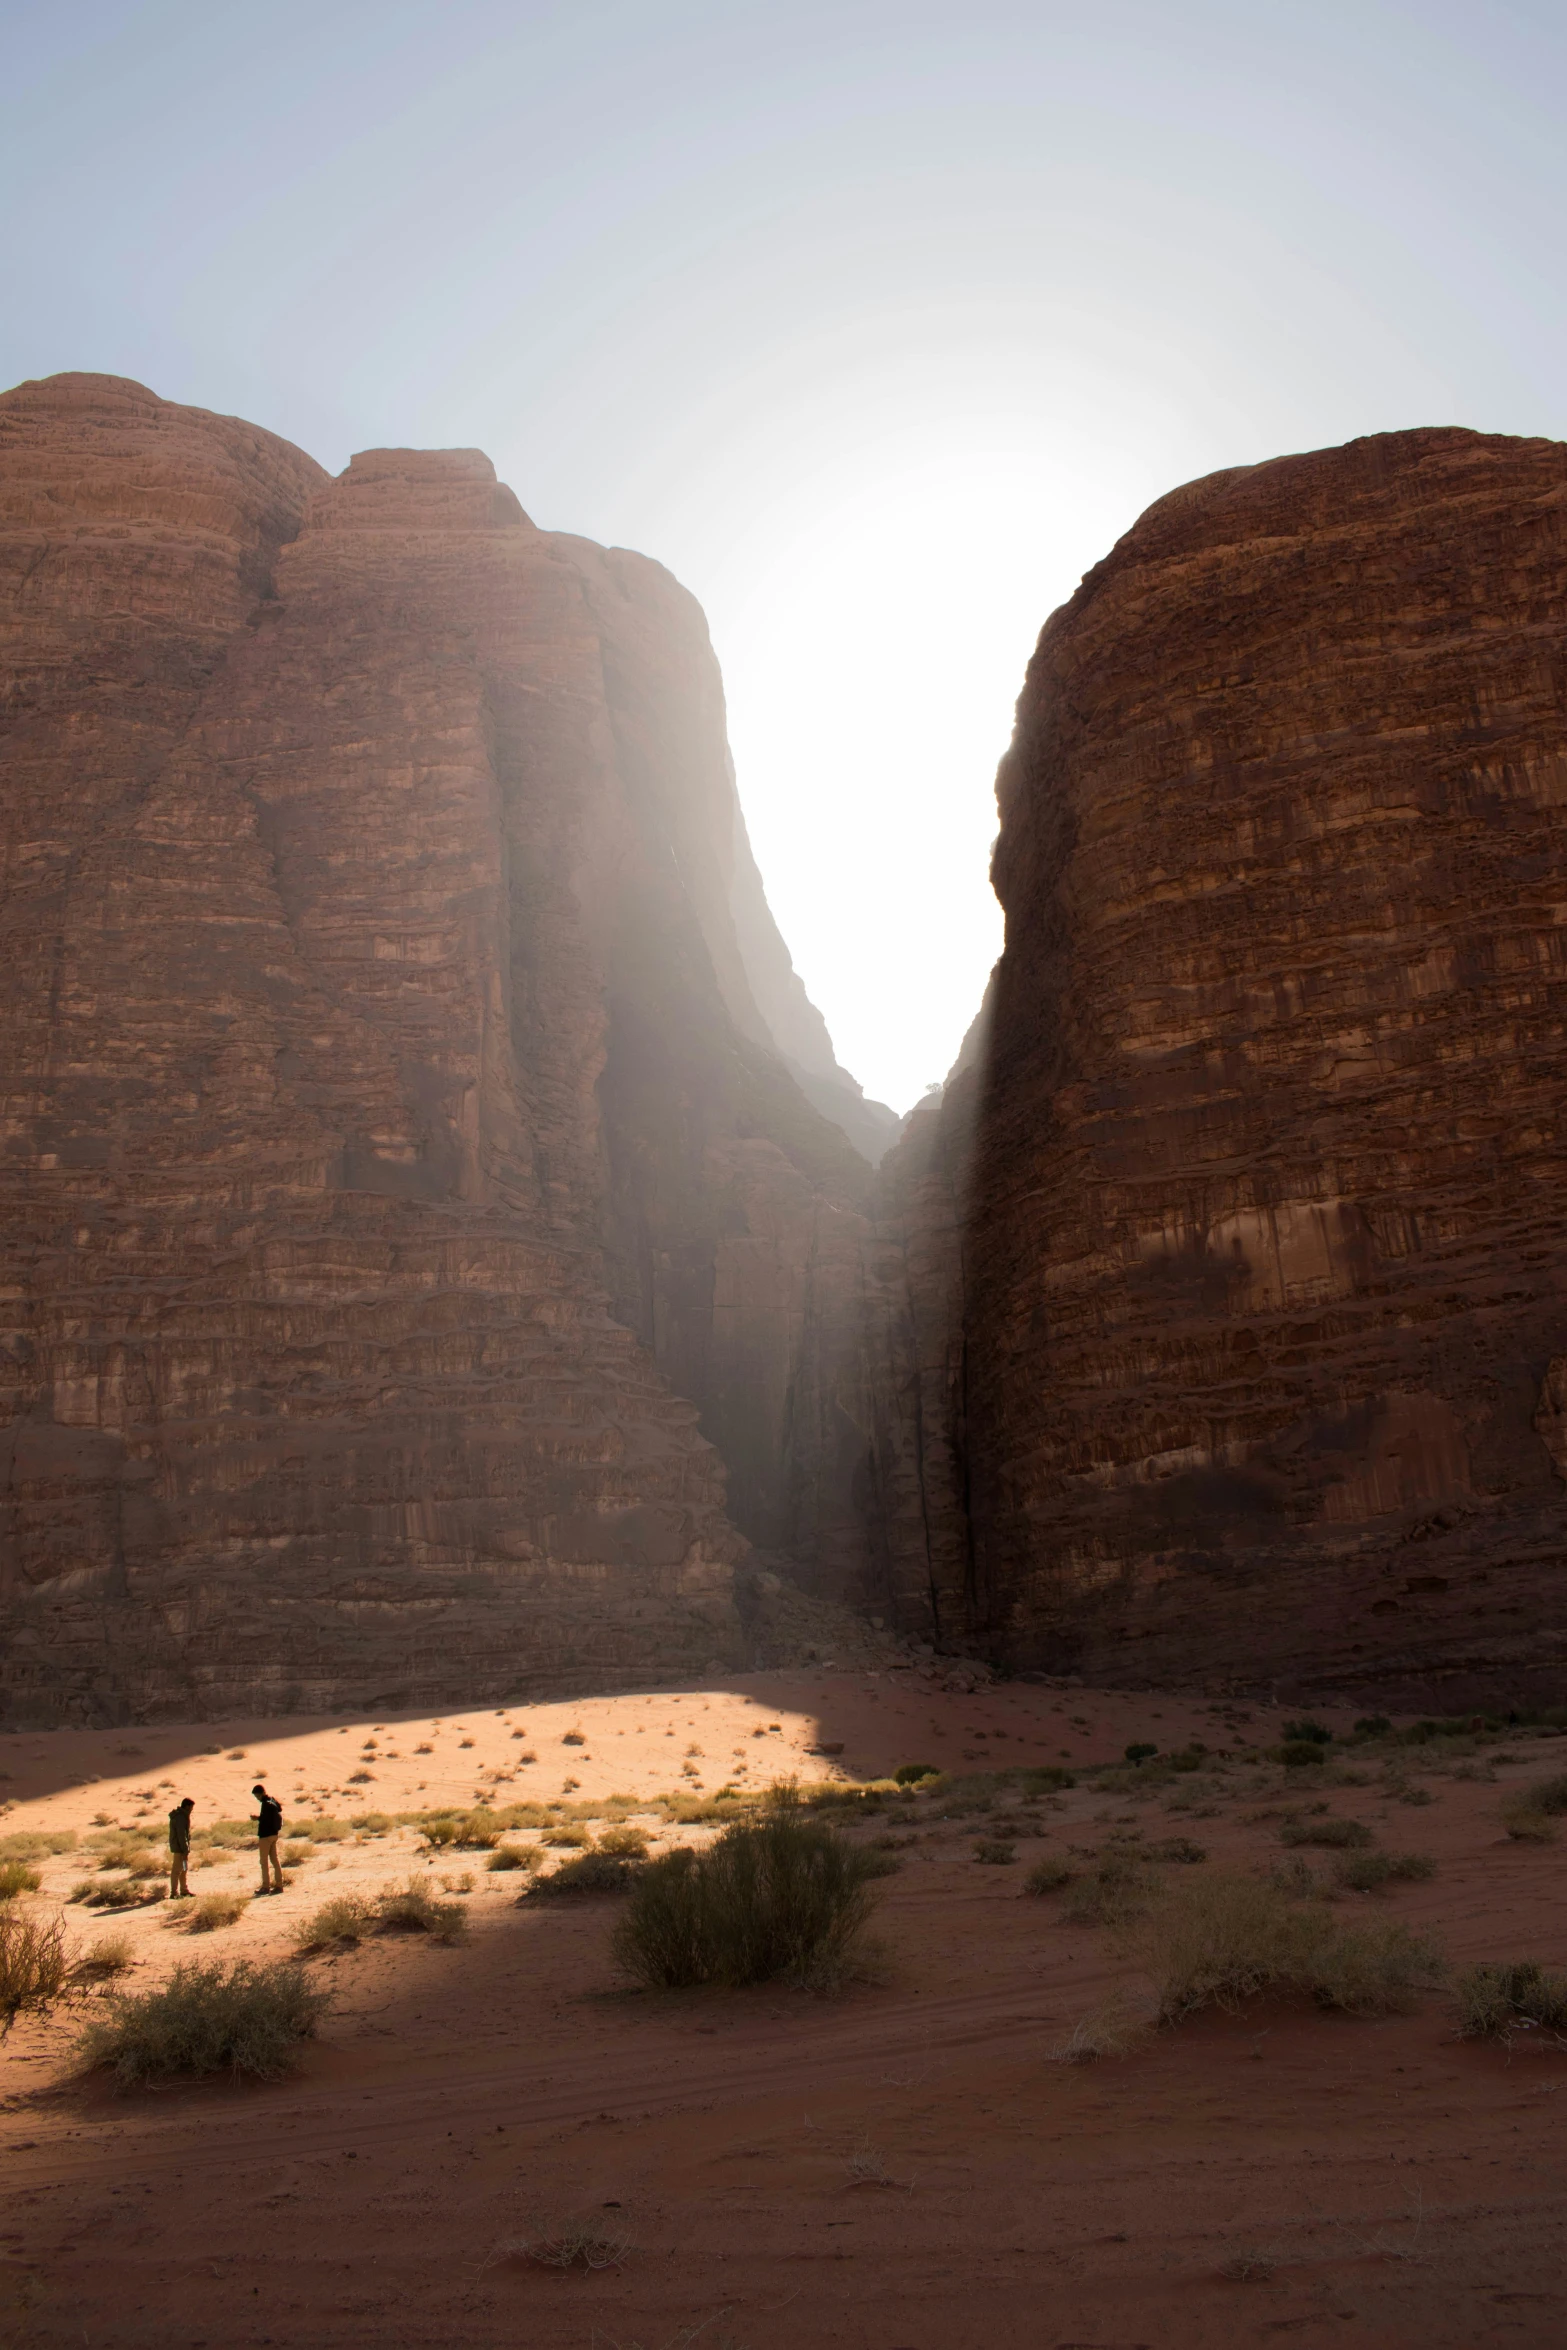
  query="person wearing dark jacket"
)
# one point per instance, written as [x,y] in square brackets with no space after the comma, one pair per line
[179,1849]
[269,1822]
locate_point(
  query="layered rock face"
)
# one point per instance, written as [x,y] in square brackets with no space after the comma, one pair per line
[1262,1304]
[389,1117]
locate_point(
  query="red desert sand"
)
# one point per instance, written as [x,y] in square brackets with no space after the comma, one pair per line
[908,2165]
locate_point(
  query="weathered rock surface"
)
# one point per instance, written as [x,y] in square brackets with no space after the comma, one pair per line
[1260,1296]
[395,1163]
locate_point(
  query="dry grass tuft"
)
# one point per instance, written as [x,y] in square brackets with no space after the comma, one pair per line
[16,1877]
[1494,2002]
[1530,1813]
[1368,1872]
[515,1856]
[241,2019]
[1121,1888]
[410,1909]
[588,1872]
[34,1962]
[578,2243]
[346,1920]
[110,1955]
[1111,2030]
[1049,1875]
[210,1912]
[1223,1940]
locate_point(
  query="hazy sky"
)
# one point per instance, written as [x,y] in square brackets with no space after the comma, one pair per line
[876,322]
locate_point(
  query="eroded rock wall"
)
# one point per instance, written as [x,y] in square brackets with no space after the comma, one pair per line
[1266,1264]
[386,1122]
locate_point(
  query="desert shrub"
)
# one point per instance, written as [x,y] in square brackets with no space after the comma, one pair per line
[1494,2001]
[1528,1827]
[347,1919]
[37,1843]
[372,1823]
[1178,1848]
[1190,1758]
[1299,1754]
[118,1893]
[996,1851]
[573,1738]
[585,2244]
[1048,1876]
[588,1872]
[110,1955]
[210,1911]
[1113,2029]
[297,1851]
[1330,1832]
[515,1856]
[411,1909]
[910,1774]
[1222,1940]
[1308,1732]
[1117,1890]
[1546,1799]
[1293,1876]
[479,1830]
[241,2019]
[34,1961]
[777,1897]
[1365,1872]
[324,1831]
[134,1854]
[16,1877]
[439,1831]
[1046,1779]
[1140,1751]
[567,1835]
[1373,1726]
[630,1843]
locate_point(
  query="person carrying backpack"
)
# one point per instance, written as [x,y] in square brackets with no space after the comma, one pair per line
[269,1823]
[179,1849]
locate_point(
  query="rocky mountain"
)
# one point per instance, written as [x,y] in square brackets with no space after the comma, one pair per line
[1242,1356]
[403,1187]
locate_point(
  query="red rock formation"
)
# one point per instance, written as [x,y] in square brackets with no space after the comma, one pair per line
[377,1020]
[1266,1281]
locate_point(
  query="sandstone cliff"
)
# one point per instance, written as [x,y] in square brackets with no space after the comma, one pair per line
[1262,1307]
[396,1168]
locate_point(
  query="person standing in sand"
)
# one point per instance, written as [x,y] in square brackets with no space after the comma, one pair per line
[269,1822]
[179,1849]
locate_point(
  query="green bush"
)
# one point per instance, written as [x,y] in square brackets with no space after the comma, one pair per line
[16,1877]
[241,2019]
[910,1774]
[1494,2001]
[1365,1872]
[1140,1752]
[1329,1832]
[34,1961]
[781,1897]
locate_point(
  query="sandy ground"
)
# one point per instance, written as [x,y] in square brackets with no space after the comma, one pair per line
[908,2166]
